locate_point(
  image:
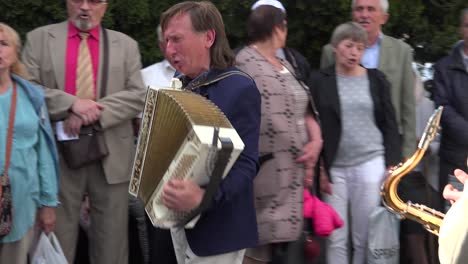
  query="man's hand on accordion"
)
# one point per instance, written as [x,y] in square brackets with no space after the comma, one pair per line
[182,195]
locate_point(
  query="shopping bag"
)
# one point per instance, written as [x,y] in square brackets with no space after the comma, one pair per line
[48,251]
[384,237]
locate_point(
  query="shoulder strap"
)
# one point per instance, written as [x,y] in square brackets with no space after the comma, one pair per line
[290,57]
[223,76]
[105,64]
[229,73]
[297,74]
[11,124]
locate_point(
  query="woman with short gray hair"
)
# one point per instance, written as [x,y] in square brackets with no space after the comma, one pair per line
[349,30]
[360,139]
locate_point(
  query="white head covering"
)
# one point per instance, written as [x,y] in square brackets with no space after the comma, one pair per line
[274,3]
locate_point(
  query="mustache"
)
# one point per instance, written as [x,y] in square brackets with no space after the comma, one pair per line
[86,13]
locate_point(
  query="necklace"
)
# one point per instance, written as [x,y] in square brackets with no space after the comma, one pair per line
[273,61]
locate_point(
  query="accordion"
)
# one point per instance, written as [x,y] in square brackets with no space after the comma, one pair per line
[183,135]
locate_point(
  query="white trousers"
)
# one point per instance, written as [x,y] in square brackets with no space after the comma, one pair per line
[185,255]
[357,189]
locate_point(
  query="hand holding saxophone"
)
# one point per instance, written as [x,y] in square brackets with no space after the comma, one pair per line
[452,194]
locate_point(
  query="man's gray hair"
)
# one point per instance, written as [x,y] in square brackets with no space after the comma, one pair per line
[348,30]
[160,35]
[383,5]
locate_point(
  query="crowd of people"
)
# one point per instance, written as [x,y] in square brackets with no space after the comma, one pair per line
[71,98]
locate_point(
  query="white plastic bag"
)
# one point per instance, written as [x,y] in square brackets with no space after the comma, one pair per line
[48,251]
[384,237]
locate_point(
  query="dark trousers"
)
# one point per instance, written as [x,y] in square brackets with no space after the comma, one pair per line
[160,245]
[417,246]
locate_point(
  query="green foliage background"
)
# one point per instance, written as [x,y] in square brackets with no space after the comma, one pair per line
[430,26]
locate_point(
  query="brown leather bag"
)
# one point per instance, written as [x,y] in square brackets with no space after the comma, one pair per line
[90,147]
[6,205]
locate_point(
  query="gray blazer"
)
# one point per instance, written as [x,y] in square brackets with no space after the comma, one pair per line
[44,56]
[395,60]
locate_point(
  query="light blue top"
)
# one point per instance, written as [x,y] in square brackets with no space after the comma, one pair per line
[370,58]
[33,166]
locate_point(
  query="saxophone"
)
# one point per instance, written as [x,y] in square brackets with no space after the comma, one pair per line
[430,218]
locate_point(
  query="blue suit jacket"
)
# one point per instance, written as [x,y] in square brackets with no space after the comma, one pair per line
[229,224]
[451,92]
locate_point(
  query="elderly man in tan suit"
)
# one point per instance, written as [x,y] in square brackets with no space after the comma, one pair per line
[391,56]
[110,94]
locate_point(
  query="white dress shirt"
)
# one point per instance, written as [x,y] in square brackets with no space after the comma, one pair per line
[159,74]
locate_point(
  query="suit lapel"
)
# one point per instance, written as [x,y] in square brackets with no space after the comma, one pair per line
[57,49]
[385,53]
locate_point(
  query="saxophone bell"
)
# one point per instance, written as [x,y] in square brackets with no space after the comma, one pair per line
[430,218]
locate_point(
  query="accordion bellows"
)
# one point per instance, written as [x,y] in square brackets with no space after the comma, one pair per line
[176,142]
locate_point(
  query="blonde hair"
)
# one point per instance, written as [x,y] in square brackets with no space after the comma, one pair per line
[12,36]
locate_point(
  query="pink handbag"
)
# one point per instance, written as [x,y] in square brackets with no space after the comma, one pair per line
[325,219]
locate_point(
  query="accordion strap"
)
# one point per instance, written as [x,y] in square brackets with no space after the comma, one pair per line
[222,76]
[11,124]
[227,74]
[222,159]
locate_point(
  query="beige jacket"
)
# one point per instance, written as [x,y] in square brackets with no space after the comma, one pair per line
[44,56]
[278,186]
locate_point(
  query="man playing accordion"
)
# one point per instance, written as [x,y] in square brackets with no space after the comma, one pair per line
[196,45]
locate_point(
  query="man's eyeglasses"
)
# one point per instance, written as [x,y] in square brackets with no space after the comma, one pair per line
[91,2]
